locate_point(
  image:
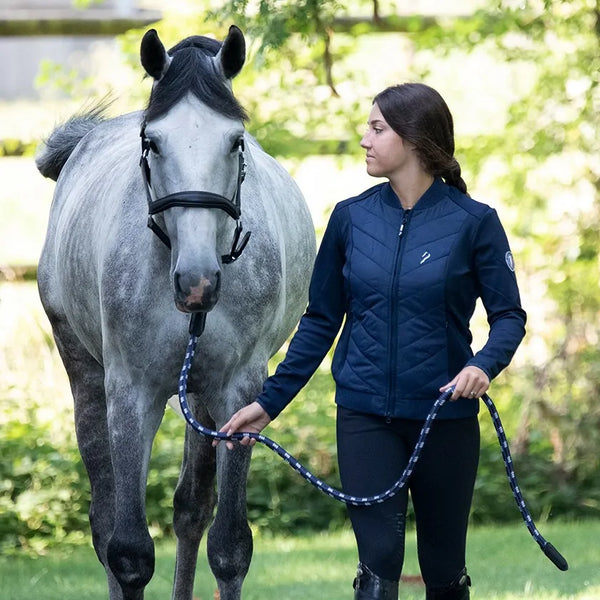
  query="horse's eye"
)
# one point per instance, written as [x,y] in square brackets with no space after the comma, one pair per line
[238,144]
[153,147]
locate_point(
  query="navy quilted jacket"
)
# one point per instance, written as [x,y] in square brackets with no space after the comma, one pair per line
[406,283]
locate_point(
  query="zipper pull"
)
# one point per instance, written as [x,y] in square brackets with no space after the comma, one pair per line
[404,221]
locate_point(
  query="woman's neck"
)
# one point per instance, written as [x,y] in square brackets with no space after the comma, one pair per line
[409,187]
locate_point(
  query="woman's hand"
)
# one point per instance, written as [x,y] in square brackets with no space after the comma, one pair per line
[252,418]
[471,382]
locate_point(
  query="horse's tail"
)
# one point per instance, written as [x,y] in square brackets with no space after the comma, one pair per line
[56,149]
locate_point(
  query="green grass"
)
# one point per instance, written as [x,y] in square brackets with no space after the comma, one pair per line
[505,564]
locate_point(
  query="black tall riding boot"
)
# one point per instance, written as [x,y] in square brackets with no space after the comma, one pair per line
[368,586]
[457,590]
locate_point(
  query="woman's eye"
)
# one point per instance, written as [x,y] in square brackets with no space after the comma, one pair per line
[377,130]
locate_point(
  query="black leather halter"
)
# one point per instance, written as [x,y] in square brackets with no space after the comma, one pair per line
[196,199]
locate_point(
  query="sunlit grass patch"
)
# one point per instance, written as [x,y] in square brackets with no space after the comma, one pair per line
[504,562]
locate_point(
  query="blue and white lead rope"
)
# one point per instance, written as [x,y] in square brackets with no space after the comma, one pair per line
[549,550]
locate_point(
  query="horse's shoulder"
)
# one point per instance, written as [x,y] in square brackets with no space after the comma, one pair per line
[265,164]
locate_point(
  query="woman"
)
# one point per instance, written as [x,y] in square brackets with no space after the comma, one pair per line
[402,265]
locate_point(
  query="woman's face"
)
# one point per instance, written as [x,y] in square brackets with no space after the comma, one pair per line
[387,153]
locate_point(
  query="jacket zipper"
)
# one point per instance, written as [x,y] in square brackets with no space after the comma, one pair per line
[394,321]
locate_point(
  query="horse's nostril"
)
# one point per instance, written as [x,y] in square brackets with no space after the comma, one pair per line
[196,292]
[176,284]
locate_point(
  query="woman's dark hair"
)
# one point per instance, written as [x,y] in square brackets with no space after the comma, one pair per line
[419,115]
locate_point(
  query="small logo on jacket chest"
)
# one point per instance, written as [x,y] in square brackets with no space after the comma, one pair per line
[425,256]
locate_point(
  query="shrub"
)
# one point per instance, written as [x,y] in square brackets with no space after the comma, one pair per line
[44,491]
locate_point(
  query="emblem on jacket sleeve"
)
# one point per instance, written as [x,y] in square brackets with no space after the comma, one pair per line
[510,261]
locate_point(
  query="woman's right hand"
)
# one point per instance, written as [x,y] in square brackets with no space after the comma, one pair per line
[252,418]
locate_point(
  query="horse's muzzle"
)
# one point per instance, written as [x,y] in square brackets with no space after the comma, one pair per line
[198,294]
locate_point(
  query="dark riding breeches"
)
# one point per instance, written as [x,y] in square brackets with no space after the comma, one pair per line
[372,455]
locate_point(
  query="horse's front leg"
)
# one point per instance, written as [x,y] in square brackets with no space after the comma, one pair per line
[86,376]
[194,501]
[229,543]
[133,419]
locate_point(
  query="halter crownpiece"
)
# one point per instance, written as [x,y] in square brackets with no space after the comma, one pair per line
[196,199]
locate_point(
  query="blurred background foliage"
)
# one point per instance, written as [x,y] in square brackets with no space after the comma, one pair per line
[528,70]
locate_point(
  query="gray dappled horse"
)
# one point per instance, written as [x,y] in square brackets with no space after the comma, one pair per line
[111,289]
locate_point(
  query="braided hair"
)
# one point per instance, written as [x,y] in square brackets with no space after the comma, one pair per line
[419,115]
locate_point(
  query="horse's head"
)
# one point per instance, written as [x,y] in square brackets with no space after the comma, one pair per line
[192,160]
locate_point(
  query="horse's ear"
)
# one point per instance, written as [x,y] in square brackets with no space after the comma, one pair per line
[153,55]
[233,53]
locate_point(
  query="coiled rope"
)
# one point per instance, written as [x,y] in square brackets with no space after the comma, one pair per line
[547,548]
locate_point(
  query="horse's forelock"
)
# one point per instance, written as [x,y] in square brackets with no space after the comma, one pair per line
[192,70]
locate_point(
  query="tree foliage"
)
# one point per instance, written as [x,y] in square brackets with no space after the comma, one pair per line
[544,165]
[550,172]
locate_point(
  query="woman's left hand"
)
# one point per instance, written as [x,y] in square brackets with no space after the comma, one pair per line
[471,382]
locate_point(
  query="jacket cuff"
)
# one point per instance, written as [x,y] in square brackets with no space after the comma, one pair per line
[272,410]
[473,363]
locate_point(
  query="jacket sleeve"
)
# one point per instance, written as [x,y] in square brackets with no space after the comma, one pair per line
[318,326]
[497,286]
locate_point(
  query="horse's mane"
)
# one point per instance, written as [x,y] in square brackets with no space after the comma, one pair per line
[192,70]
[55,150]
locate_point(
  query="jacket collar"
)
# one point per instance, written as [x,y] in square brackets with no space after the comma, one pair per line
[434,193]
